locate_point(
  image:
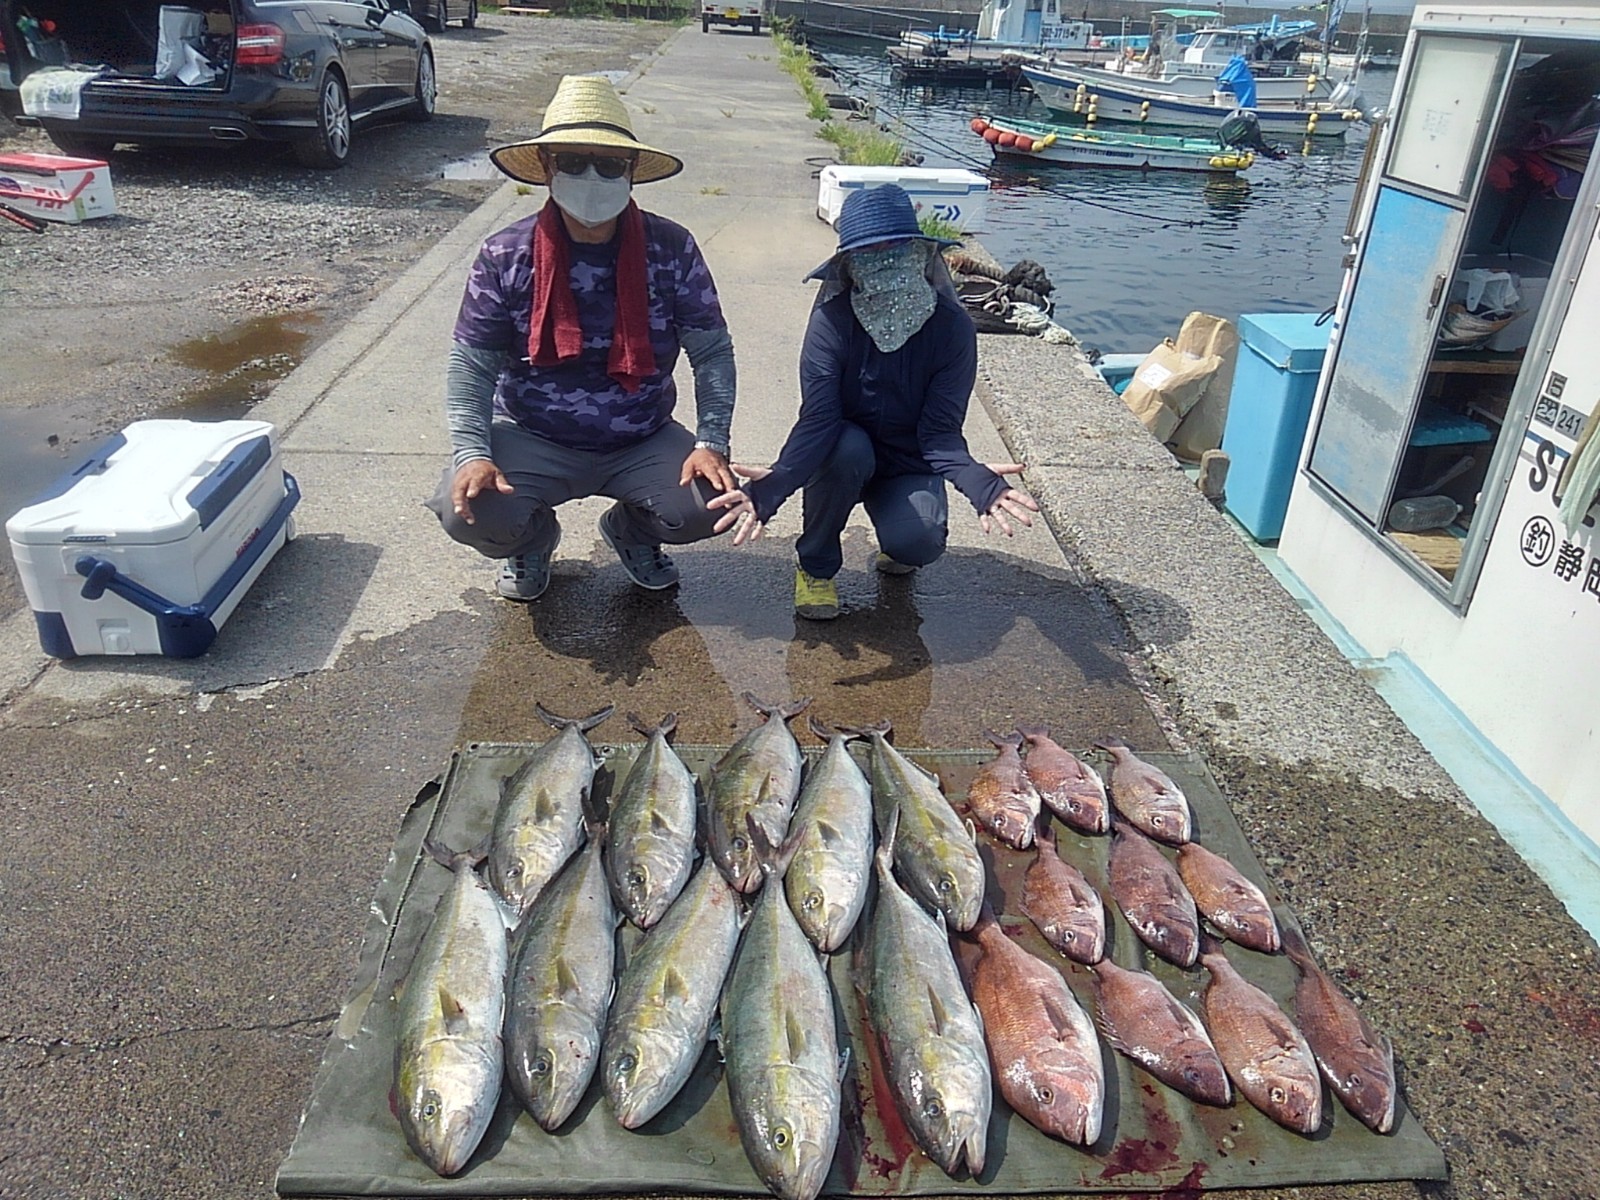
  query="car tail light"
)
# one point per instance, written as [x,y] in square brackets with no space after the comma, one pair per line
[258,46]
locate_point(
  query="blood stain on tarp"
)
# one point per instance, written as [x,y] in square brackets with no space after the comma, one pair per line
[899,1143]
[1147,1155]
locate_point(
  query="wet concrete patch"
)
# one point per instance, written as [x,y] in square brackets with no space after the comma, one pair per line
[978,640]
[473,166]
[34,452]
[242,363]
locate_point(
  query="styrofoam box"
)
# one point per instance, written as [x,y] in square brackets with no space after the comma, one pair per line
[54,187]
[958,196]
[148,546]
[1533,278]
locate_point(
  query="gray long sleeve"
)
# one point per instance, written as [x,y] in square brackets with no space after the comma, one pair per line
[710,353]
[470,381]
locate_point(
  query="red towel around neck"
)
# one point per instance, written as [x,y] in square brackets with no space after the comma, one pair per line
[554,335]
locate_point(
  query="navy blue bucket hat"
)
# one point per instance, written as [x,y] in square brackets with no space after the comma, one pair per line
[876,214]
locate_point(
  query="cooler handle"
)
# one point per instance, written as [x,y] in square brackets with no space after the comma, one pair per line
[211,496]
[101,576]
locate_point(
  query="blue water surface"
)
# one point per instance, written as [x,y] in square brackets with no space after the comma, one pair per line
[1132,253]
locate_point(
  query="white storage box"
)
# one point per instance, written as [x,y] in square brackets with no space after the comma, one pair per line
[54,187]
[1532,278]
[147,547]
[958,196]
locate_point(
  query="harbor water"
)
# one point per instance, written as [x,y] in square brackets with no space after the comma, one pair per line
[1131,253]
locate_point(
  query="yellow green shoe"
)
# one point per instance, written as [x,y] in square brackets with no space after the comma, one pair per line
[888,566]
[815,599]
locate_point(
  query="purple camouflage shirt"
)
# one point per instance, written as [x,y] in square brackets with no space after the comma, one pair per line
[576,404]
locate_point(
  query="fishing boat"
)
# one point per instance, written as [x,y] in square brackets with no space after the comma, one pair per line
[1081,147]
[1112,98]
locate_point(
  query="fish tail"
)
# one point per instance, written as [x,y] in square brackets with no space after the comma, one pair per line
[1210,949]
[1034,730]
[774,859]
[583,724]
[1044,829]
[782,711]
[821,729]
[1002,739]
[884,855]
[1295,947]
[1112,744]
[645,729]
[595,814]
[884,729]
[451,859]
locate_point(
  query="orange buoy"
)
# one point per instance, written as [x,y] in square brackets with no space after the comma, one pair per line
[979,124]
[991,135]
[1008,138]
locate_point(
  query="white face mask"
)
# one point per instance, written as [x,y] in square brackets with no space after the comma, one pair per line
[590,199]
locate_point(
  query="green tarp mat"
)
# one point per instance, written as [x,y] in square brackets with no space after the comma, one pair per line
[1154,1139]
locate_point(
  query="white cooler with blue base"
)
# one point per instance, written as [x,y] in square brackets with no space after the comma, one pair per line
[952,194]
[148,546]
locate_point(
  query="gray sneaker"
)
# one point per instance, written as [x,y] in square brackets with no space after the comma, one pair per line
[646,565]
[525,576]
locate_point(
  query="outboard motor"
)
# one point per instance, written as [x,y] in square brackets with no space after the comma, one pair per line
[1347,94]
[1241,130]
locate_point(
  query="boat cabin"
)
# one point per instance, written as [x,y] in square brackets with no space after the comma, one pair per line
[1032,23]
[1444,511]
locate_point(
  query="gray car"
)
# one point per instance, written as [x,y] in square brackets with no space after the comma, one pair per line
[307,72]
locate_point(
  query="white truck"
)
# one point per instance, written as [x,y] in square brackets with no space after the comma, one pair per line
[731,12]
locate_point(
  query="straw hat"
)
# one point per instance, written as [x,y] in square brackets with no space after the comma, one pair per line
[585,111]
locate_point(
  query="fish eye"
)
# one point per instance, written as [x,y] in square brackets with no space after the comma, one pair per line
[1158,820]
[932,1109]
[947,885]
[637,877]
[1277,1095]
[812,902]
[627,1061]
[780,1137]
[740,844]
[514,871]
[430,1110]
[1355,1080]
[1047,1095]
[541,1065]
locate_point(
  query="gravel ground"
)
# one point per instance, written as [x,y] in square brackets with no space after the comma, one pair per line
[225,267]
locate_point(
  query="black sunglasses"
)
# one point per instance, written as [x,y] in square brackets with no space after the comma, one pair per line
[607,166]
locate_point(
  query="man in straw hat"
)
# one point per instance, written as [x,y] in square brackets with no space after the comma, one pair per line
[886,369]
[560,378]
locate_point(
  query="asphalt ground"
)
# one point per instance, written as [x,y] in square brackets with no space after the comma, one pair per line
[190,847]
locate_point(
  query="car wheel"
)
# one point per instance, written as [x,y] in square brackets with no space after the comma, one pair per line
[426,95]
[79,145]
[330,146]
[439,22]
[755,27]
[705,25]
[470,21]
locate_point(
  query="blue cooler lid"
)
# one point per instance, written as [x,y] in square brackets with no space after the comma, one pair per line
[1289,341]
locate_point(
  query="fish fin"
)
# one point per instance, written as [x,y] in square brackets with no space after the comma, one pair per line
[454,1013]
[1058,1014]
[972,830]
[884,855]
[829,834]
[440,853]
[566,979]
[795,1034]
[941,1015]
[544,807]
[659,822]
[674,986]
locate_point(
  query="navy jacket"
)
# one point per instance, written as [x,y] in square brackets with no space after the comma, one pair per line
[912,404]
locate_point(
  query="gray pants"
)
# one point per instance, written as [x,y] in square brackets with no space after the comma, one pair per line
[652,506]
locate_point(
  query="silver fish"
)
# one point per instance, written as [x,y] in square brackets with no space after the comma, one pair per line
[935,851]
[827,879]
[1147,796]
[1069,787]
[1152,897]
[759,776]
[667,997]
[448,1059]
[650,835]
[930,1033]
[538,824]
[780,1043]
[1042,1046]
[1356,1060]
[1143,1020]
[1002,797]
[1266,1055]
[1062,903]
[559,987]
[1234,905]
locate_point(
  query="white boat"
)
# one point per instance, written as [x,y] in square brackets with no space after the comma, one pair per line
[1188,79]
[1118,98]
[1006,25]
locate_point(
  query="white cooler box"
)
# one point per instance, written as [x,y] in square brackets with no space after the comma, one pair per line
[147,547]
[958,196]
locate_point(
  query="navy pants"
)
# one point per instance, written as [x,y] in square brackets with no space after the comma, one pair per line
[909,513]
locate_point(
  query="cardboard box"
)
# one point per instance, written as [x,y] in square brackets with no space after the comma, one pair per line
[148,546]
[958,196]
[54,187]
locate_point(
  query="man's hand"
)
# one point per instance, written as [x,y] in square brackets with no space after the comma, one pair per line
[472,478]
[741,512]
[710,466]
[1019,506]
